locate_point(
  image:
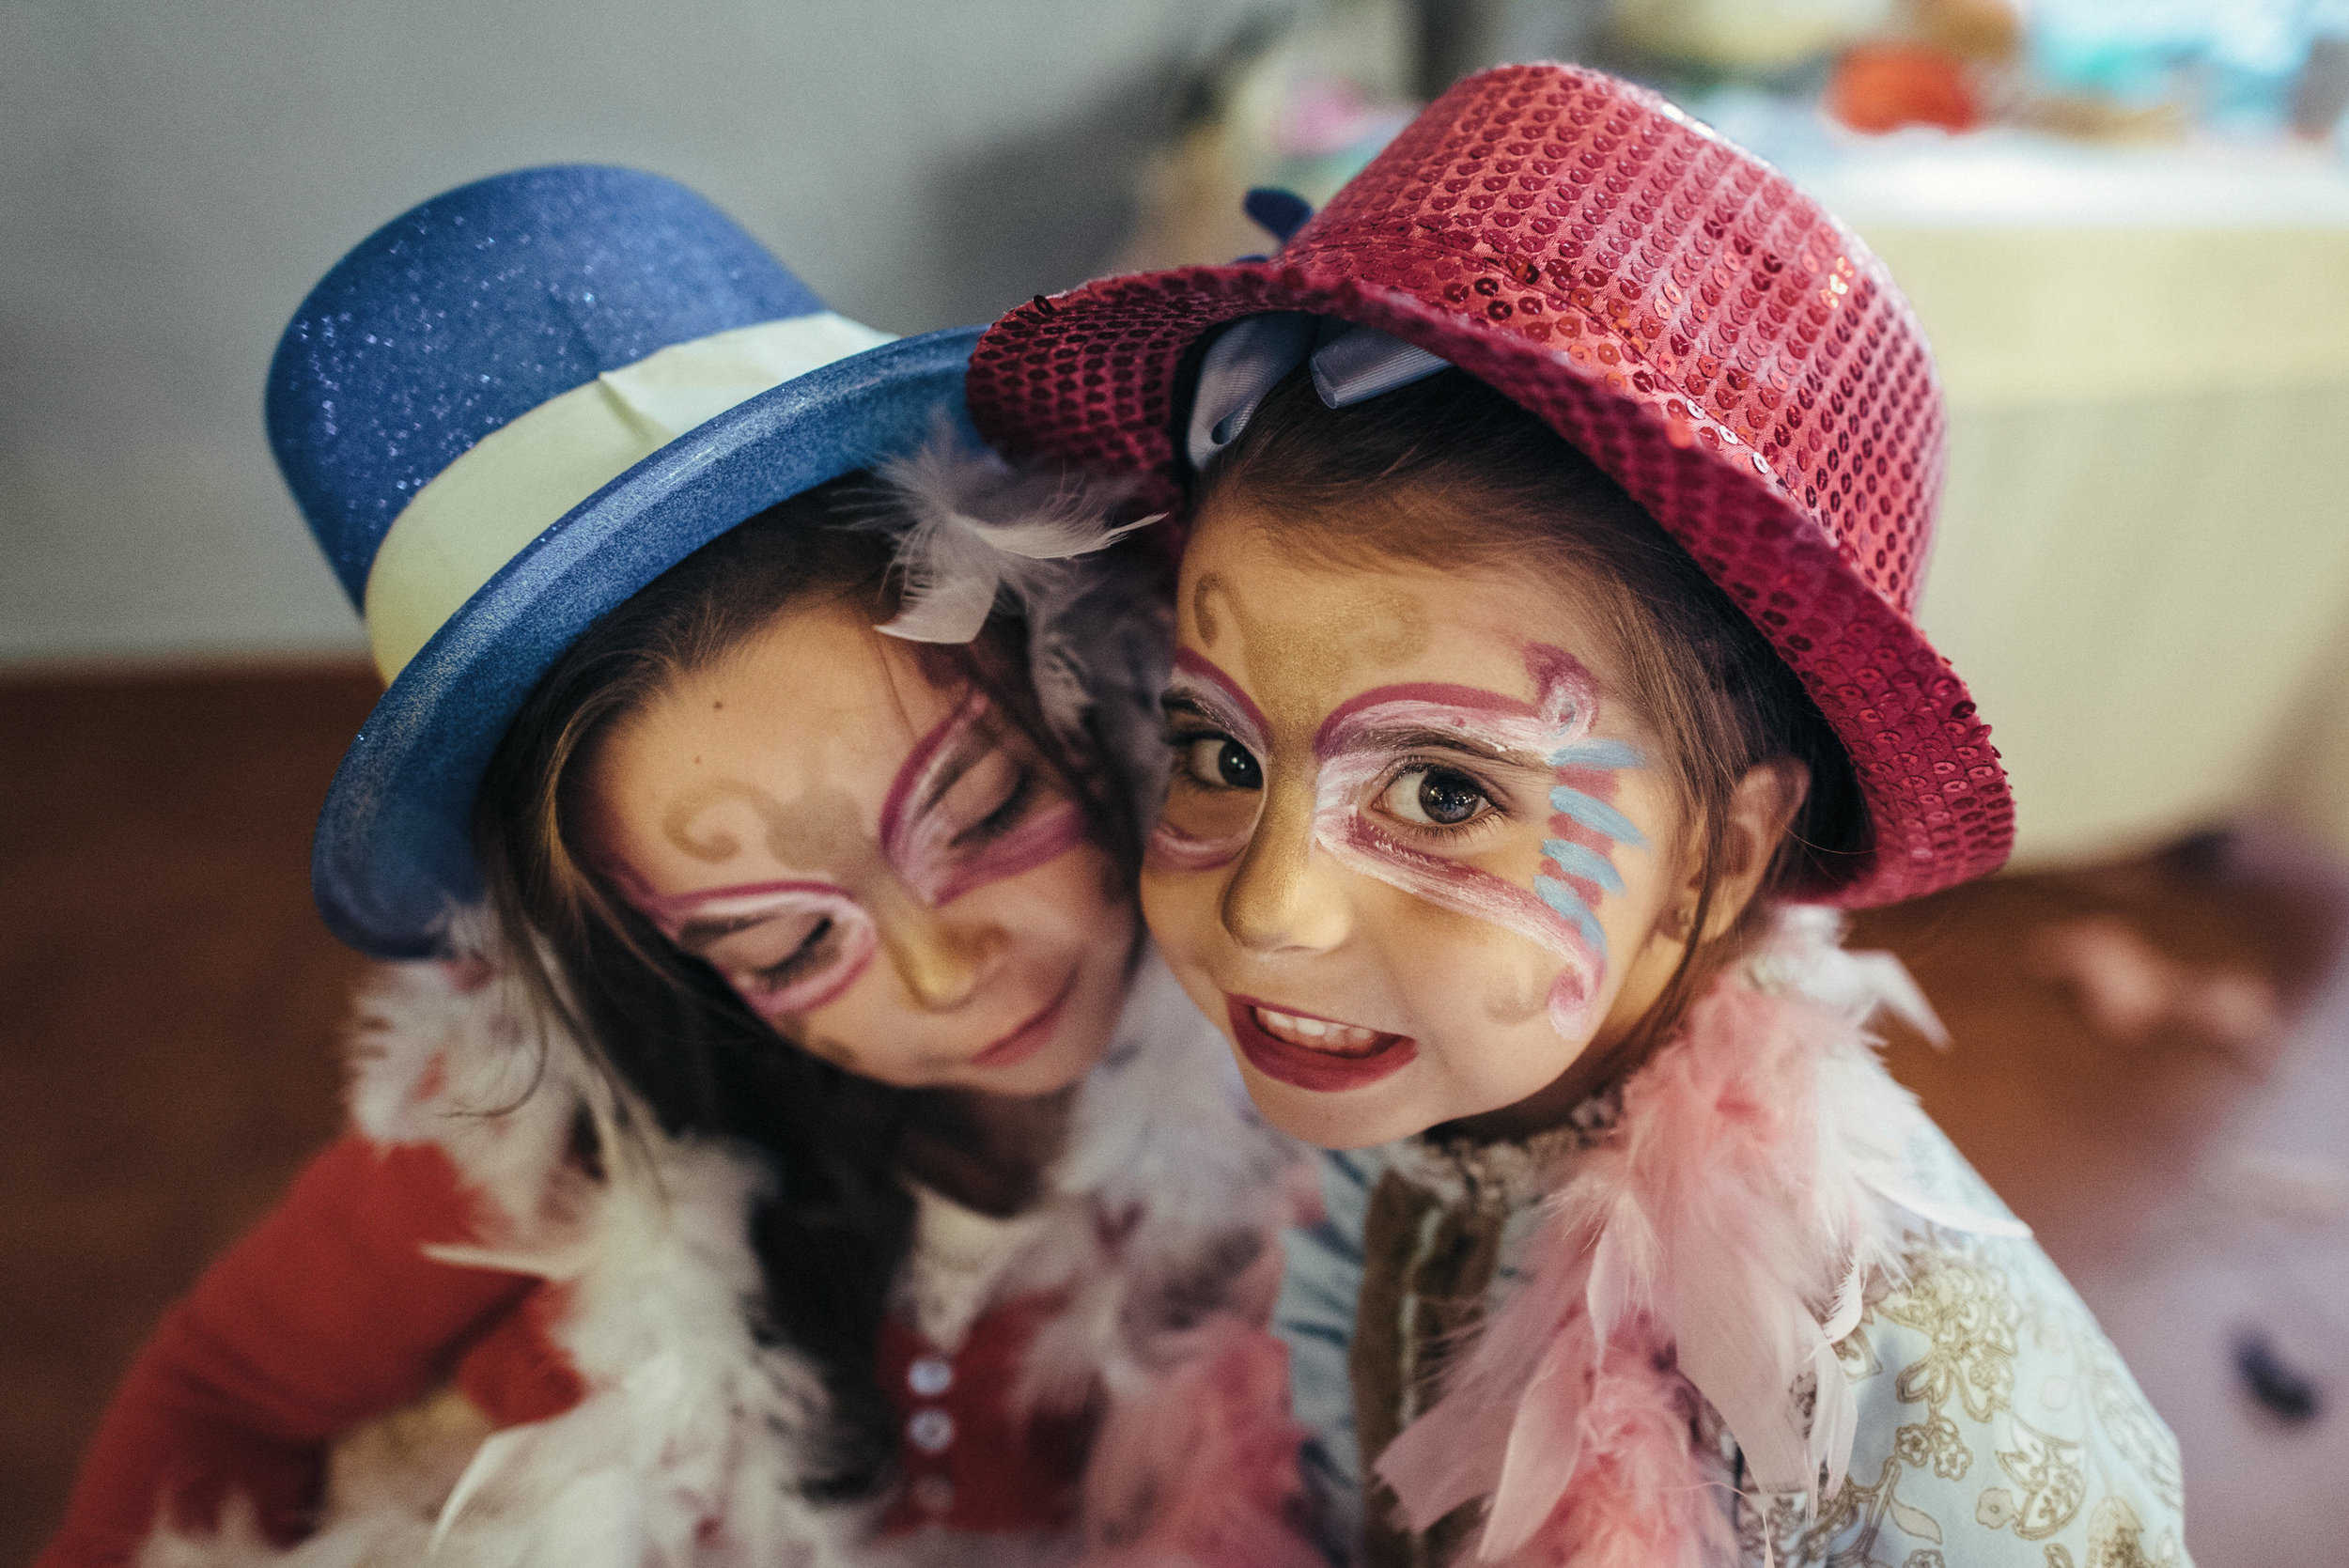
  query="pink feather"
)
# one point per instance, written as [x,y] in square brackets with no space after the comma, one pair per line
[1648,1498]
[1545,1442]
[1200,1468]
[1687,1262]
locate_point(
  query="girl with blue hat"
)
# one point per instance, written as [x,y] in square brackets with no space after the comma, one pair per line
[772,1140]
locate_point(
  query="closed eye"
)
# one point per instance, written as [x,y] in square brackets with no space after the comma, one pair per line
[1004,817]
[798,962]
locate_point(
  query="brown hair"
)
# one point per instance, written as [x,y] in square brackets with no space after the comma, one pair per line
[1449,472]
[691,1052]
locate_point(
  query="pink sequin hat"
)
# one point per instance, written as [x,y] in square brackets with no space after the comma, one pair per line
[1734,357]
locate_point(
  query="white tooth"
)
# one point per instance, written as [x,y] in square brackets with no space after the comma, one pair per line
[1313,1029]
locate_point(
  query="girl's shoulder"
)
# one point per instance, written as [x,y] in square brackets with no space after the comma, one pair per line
[1997,1423]
[460,1055]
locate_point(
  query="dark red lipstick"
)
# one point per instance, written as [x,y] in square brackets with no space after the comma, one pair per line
[1304,1067]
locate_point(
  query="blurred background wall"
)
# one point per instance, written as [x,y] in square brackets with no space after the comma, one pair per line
[174,176]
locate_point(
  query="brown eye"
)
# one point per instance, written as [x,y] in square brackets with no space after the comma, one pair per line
[1435,797]
[1222,763]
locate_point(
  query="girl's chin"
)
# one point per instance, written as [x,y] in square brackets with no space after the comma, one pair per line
[1358,1121]
[1077,1046]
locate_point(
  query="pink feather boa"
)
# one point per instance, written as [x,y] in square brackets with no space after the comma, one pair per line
[1207,1463]
[1693,1273]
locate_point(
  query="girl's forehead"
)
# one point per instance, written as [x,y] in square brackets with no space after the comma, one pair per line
[837,712]
[1301,635]
[825,682]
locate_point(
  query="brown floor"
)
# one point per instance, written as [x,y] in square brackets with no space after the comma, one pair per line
[167,1050]
[165,1058]
[2085,1135]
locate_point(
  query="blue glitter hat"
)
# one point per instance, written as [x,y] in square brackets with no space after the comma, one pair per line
[506,412]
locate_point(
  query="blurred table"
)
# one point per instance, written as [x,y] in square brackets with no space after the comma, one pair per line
[2143,567]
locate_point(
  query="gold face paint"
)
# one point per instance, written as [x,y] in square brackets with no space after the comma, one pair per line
[816,828]
[1299,667]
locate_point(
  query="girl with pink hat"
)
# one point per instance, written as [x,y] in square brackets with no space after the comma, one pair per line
[1557,501]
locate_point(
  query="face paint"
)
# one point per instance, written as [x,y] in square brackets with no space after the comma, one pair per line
[1578,871]
[1361,742]
[1364,741]
[922,841]
[938,852]
[838,944]
[1200,687]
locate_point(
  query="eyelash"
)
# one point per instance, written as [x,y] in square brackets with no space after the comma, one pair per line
[776,976]
[1441,831]
[1180,737]
[1004,817]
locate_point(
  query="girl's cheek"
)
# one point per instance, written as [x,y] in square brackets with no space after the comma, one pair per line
[1463,969]
[1511,999]
[1179,910]
[1077,898]
[1200,829]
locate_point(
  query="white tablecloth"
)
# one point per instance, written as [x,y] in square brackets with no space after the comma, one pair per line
[2143,565]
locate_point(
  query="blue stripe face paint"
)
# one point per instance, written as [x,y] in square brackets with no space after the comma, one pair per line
[1597,815]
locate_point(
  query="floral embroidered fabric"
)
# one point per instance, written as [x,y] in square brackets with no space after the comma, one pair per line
[1997,1425]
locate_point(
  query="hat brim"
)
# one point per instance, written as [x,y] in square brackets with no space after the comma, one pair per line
[394,850]
[1095,375]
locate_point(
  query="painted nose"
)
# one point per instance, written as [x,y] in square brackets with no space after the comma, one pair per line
[943,963]
[1283,899]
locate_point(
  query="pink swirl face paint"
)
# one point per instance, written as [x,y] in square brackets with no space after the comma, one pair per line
[695,921]
[920,834]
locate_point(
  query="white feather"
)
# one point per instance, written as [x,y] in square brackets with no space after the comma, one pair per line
[1162,1131]
[688,1421]
[971,530]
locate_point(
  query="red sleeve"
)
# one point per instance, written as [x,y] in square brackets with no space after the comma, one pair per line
[327,1315]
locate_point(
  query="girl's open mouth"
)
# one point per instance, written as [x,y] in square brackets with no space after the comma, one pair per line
[1311,1052]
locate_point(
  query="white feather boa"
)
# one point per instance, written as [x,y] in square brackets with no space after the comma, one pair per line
[1693,1273]
[693,1441]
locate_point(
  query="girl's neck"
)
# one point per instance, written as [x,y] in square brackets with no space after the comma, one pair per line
[984,1152]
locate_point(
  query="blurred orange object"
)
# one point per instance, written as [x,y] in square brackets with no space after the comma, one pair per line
[1882,87]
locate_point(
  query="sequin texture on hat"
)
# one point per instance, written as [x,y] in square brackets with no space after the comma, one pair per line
[1709,336]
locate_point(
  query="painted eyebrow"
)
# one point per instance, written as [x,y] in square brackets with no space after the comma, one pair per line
[1467,719]
[1424,739]
[1204,669]
[898,809]
[974,747]
[680,907]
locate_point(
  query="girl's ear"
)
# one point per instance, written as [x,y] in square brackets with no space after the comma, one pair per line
[1762,808]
